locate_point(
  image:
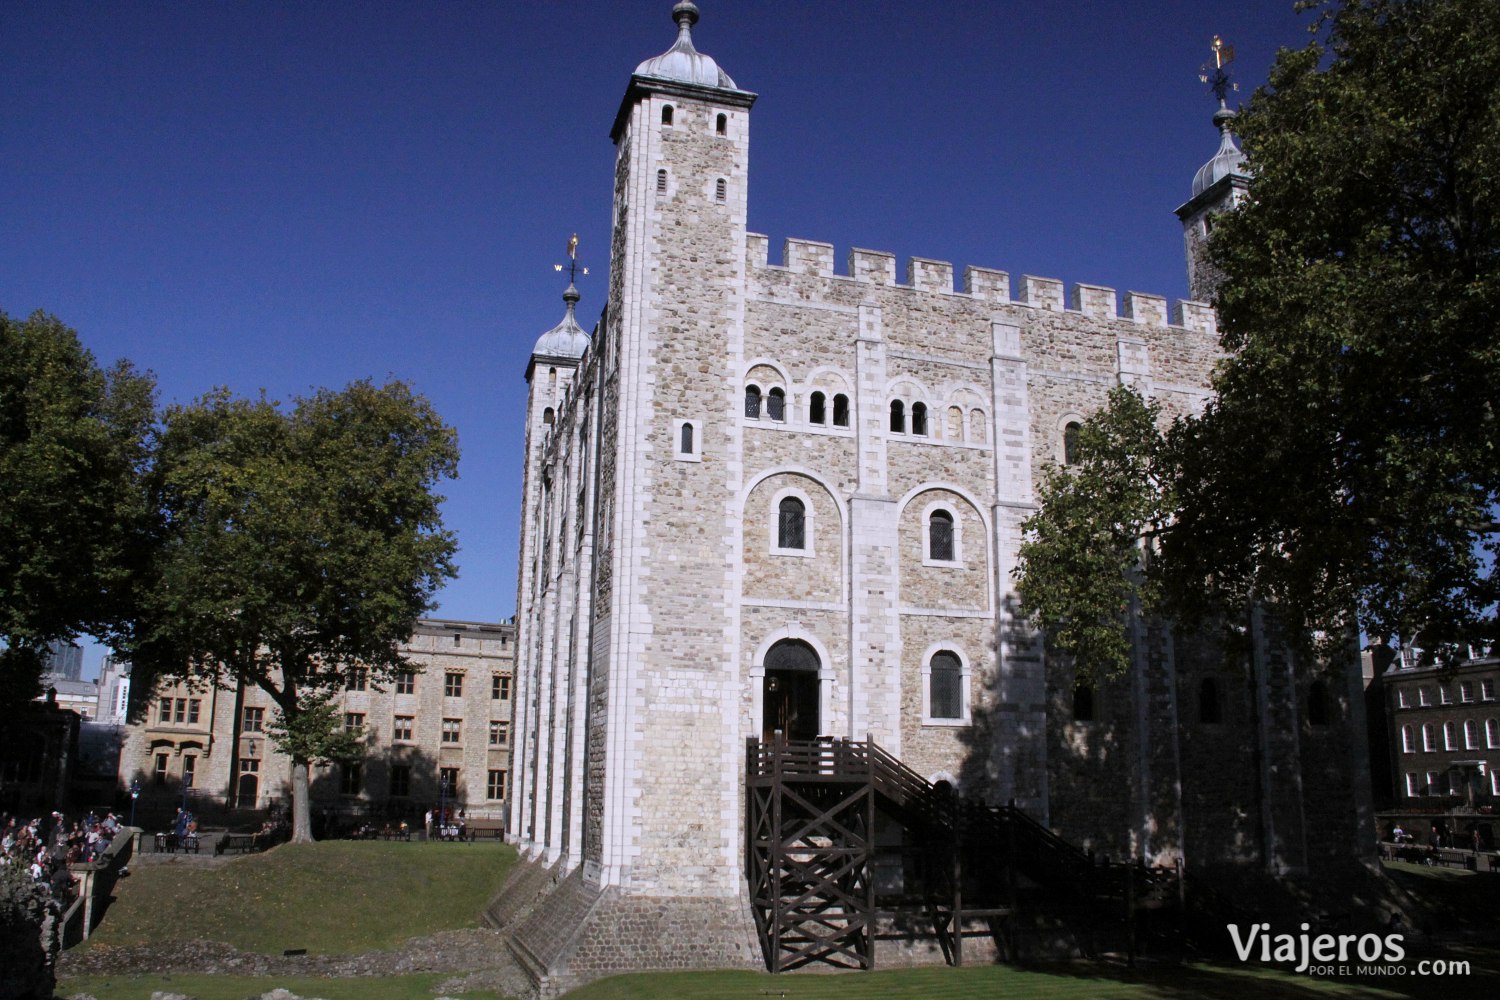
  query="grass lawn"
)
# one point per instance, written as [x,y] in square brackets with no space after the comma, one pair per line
[333,898]
[240,987]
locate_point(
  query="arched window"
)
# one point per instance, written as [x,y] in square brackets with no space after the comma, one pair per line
[776,404]
[945,686]
[898,417]
[790,528]
[841,410]
[1429,737]
[752,402]
[686,444]
[976,427]
[547,415]
[661,182]
[719,189]
[666,114]
[940,536]
[1317,703]
[1492,733]
[1450,736]
[1070,442]
[919,419]
[955,424]
[1209,709]
[1408,739]
[1083,702]
[721,125]
[816,409]
[1471,734]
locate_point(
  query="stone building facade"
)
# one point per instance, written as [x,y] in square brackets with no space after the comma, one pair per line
[769,495]
[440,734]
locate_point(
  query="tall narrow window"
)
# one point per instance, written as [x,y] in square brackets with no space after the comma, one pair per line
[1450,736]
[400,781]
[685,446]
[1070,443]
[721,125]
[351,779]
[189,770]
[955,423]
[448,781]
[945,695]
[1492,734]
[792,524]
[976,427]
[1209,709]
[1083,702]
[160,774]
[817,409]
[494,784]
[841,410]
[752,401]
[1317,703]
[919,419]
[940,536]
[1408,740]
[720,189]
[1471,734]
[661,182]
[898,417]
[1429,737]
[776,404]
[666,114]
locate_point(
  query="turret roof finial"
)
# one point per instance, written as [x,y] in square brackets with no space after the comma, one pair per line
[1228,160]
[567,339]
[682,62]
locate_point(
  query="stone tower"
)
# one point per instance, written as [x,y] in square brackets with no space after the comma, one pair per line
[1218,186]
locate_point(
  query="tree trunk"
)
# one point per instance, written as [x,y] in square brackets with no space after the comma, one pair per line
[301,804]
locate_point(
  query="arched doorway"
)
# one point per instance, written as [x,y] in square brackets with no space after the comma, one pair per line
[791,691]
[249,788]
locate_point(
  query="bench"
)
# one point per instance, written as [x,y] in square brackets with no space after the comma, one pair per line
[241,842]
[170,843]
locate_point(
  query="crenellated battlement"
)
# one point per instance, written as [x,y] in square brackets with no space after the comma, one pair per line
[877,267]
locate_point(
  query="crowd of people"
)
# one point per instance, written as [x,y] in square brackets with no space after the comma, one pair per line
[46,845]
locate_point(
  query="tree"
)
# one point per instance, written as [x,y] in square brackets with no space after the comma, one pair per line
[1079,569]
[301,547]
[1348,470]
[76,529]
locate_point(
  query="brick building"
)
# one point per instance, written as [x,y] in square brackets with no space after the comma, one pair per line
[1444,732]
[765,496]
[441,733]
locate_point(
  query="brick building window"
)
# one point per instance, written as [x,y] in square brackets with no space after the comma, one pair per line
[1450,736]
[500,687]
[1487,690]
[720,189]
[499,733]
[159,775]
[721,125]
[1413,786]
[401,729]
[494,786]
[1432,784]
[453,685]
[164,711]
[1071,432]
[919,419]
[452,730]
[350,776]
[1318,707]
[666,114]
[1403,699]
[357,679]
[179,711]
[841,410]
[776,404]
[194,706]
[1424,696]
[898,417]
[1083,702]
[1429,737]
[752,402]
[817,409]
[406,682]
[400,786]
[1471,734]
[1492,733]
[189,770]
[1408,740]
[448,781]
[1445,696]
[253,720]
[354,722]
[1466,691]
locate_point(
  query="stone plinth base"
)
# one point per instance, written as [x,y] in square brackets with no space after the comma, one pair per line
[578,931]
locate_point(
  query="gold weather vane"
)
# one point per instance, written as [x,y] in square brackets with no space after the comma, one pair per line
[572,265]
[1218,80]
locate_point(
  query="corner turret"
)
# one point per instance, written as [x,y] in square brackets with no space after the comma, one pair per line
[1218,186]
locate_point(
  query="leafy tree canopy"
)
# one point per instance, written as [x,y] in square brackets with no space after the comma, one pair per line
[301,546]
[76,529]
[1079,566]
[1348,470]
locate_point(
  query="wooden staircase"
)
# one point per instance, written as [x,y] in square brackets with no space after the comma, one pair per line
[821,878]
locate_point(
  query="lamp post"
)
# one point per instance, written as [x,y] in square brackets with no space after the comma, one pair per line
[135,793]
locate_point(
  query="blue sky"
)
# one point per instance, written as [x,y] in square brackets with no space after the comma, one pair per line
[282,196]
